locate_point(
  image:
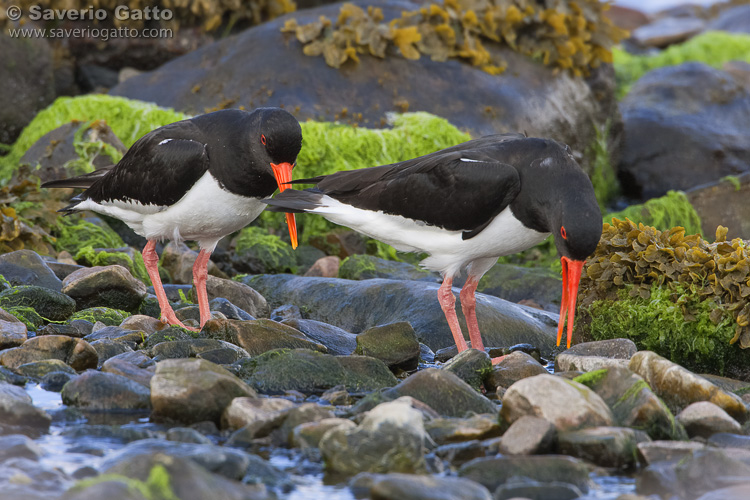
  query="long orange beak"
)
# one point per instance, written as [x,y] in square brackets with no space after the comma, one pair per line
[571,274]
[283,174]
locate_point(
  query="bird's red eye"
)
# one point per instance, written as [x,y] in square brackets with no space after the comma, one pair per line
[263,139]
[563,232]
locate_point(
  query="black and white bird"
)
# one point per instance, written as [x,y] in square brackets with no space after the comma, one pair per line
[198,179]
[466,206]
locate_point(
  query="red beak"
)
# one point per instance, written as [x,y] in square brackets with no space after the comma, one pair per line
[571,273]
[283,174]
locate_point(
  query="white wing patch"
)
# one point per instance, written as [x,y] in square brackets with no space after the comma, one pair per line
[470,160]
[164,141]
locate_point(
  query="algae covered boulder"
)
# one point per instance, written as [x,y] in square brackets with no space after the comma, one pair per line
[365,267]
[258,252]
[52,305]
[312,372]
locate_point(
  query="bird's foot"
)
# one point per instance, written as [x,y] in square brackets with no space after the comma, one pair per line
[171,319]
[497,360]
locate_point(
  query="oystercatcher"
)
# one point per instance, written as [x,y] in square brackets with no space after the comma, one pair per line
[466,206]
[198,179]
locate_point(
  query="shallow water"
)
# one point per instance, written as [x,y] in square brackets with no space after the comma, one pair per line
[65,453]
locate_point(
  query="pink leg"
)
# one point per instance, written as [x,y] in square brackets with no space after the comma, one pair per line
[448,305]
[151,260]
[469,308]
[200,273]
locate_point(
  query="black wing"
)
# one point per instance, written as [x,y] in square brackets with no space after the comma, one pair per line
[157,170]
[458,190]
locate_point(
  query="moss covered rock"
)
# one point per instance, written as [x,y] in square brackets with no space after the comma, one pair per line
[259,336]
[107,315]
[110,286]
[281,370]
[49,304]
[365,267]
[258,252]
[395,344]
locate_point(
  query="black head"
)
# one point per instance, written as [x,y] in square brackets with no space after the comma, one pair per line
[279,135]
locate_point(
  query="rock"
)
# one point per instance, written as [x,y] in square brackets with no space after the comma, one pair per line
[170,334]
[142,323]
[679,387]
[448,430]
[705,419]
[17,410]
[396,486]
[55,381]
[193,390]
[77,353]
[190,347]
[394,344]
[286,312]
[726,440]
[85,319]
[336,396]
[590,356]
[119,365]
[26,267]
[307,371]
[471,366]
[55,155]
[19,446]
[187,435]
[667,31]
[722,204]
[116,333]
[626,18]
[492,472]
[338,342]
[229,310]
[309,434]
[60,329]
[523,488]
[738,492]
[528,435]
[108,286]
[27,479]
[239,294]
[530,96]
[38,369]
[12,377]
[13,332]
[667,451]
[567,404]
[633,403]
[442,391]
[189,477]
[683,128]
[706,470]
[260,336]
[516,366]
[365,267]
[257,415]
[516,283]
[613,447]
[49,304]
[28,82]
[303,414]
[734,19]
[178,260]
[389,439]
[105,391]
[378,302]
[325,267]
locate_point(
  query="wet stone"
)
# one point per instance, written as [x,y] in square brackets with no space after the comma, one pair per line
[325,267]
[105,391]
[309,434]
[613,447]
[17,409]
[26,267]
[19,446]
[528,435]
[338,342]
[705,419]
[395,344]
[257,415]
[259,336]
[396,486]
[107,348]
[286,312]
[471,366]
[119,365]
[50,304]
[76,353]
[140,322]
[117,333]
[187,435]
[229,310]
[190,347]
[556,490]
[457,454]
[302,414]
[13,332]
[11,377]
[566,404]
[447,430]
[107,286]
[193,390]
[728,440]
[60,329]
[222,356]
[336,396]
[38,369]
[55,381]
[667,451]
[516,366]
[239,294]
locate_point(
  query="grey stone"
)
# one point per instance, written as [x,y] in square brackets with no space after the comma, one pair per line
[365,267]
[528,435]
[516,366]
[105,391]
[336,340]
[395,344]
[613,447]
[76,353]
[705,419]
[18,410]
[19,446]
[471,366]
[447,430]
[13,332]
[108,286]
[396,486]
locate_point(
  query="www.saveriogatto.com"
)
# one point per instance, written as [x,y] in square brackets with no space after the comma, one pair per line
[120,14]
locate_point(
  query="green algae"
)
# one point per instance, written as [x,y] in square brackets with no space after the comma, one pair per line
[91,257]
[28,316]
[591,378]
[108,316]
[128,119]
[603,176]
[267,251]
[156,487]
[713,48]
[73,235]
[733,180]
[678,324]
[671,210]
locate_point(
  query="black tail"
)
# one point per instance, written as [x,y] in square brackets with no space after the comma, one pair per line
[294,201]
[82,181]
